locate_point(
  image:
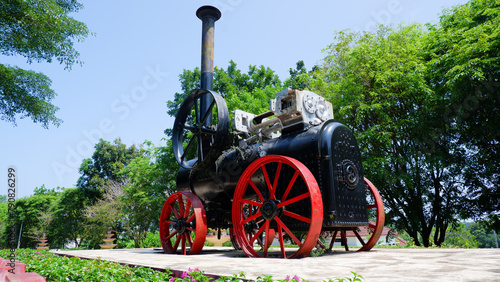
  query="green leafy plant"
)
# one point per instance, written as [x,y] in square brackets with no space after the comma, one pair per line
[59,268]
[152,240]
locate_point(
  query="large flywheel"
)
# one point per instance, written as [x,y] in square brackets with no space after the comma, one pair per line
[200,131]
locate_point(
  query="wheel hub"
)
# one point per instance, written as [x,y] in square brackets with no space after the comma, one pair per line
[269,209]
[180,226]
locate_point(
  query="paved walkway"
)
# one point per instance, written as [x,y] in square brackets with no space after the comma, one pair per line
[376,265]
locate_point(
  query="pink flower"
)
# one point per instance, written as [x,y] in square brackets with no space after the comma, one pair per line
[287,278]
[172,279]
[296,278]
[184,274]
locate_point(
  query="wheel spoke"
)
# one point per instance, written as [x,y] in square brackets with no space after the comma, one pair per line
[209,112]
[208,131]
[196,111]
[190,127]
[290,185]
[256,215]
[257,234]
[275,184]
[190,229]
[282,225]
[282,242]
[190,240]
[256,190]
[251,203]
[191,142]
[181,204]
[177,241]
[171,235]
[200,149]
[191,218]
[370,207]
[187,209]
[268,182]
[293,200]
[171,222]
[184,244]
[297,216]
[174,210]
[266,239]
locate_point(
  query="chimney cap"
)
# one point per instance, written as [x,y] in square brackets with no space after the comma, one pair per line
[208,11]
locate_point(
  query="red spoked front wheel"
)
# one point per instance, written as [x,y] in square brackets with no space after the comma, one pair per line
[370,233]
[183,224]
[277,199]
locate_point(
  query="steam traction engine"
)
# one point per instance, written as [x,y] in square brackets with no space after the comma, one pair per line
[277,182]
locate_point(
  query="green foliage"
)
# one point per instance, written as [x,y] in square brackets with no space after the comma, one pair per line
[249,91]
[460,236]
[376,82]
[148,185]
[56,268]
[484,234]
[56,212]
[104,166]
[356,277]
[105,212]
[152,240]
[464,53]
[423,104]
[27,94]
[35,213]
[4,216]
[39,31]
[59,268]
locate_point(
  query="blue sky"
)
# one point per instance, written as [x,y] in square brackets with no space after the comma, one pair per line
[131,68]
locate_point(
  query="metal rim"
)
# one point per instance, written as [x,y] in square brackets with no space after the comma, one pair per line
[376,227]
[214,134]
[236,246]
[255,218]
[182,216]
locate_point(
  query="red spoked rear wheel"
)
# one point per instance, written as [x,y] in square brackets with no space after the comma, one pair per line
[376,223]
[183,224]
[277,197]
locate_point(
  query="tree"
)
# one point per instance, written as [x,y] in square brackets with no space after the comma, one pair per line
[39,31]
[69,218]
[104,166]
[249,92]
[376,82]
[147,187]
[34,213]
[464,57]
[484,234]
[300,78]
[461,236]
[107,211]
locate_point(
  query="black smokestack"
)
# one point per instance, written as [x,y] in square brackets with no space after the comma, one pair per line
[208,15]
